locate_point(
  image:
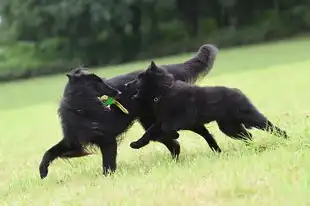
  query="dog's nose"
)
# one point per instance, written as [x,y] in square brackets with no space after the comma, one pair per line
[119,93]
[126,86]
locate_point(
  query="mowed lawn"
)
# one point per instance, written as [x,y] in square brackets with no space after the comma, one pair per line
[269,171]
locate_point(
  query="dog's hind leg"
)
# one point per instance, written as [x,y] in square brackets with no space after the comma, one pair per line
[234,130]
[204,132]
[61,148]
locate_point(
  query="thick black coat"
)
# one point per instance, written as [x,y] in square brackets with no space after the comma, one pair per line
[85,122]
[181,106]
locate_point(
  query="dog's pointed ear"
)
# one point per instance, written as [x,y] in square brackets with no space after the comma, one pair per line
[153,66]
[70,76]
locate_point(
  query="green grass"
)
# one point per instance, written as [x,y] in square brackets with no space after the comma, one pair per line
[270,171]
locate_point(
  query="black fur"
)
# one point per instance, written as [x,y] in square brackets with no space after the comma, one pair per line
[180,106]
[86,122]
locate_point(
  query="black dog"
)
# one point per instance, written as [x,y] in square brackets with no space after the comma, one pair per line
[85,122]
[180,106]
[81,109]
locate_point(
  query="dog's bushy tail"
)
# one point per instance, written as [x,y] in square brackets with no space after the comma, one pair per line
[196,67]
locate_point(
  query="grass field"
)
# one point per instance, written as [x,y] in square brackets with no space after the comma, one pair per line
[270,171]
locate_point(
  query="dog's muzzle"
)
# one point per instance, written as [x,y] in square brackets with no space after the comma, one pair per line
[118,95]
[130,84]
[136,96]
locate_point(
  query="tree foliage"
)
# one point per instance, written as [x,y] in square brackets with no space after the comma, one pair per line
[111,31]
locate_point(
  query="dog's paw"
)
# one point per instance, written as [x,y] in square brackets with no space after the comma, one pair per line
[107,171]
[43,172]
[217,150]
[135,145]
[175,135]
[285,136]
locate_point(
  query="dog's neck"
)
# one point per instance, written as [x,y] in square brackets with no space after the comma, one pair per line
[80,99]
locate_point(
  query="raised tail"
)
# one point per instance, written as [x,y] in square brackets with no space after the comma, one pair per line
[196,67]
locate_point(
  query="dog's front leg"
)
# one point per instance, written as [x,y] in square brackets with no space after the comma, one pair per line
[153,131]
[109,153]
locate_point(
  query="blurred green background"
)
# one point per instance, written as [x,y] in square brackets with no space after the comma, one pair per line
[39,37]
